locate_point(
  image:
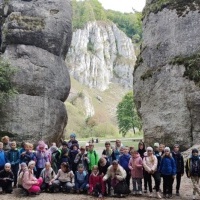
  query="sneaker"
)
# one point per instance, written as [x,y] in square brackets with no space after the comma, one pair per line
[134,193]
[158,195]
[100,196]
[111,192]
[145,191]
[170,196]
[140,193]
[194,197]
[150,194]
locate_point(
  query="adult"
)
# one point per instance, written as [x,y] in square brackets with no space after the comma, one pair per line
[108,152]
[117,148]
[141,149]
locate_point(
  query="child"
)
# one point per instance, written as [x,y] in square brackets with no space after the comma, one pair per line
[2,157]
[64,179]
[72,156]
[27,155]
[150,165]
[81,158]
[117,148]
[96,185]
[55,153]
[108,153]
[124,161]
[193,171]
[47,175]
[168,172]
[13,159]
[179,167]
[29,182]
[6,143]
[145,178]
[64,154]
[136,167]
[41,157]
[93,157]
[141,149]
[23,168]
[81,179]
[6,179]
[72,141]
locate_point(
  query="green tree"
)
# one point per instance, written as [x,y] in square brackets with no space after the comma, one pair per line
[127,116]
[6,87]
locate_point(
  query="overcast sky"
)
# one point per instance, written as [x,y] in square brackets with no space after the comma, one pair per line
[123,5]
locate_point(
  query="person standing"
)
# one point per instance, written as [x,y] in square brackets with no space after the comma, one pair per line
[179,166]
[168,172]
[193,171]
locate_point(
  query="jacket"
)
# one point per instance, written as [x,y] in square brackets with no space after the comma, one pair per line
[2,158]
[167,166]
[124,161]
[27,157]
[41,158]
[93,159]
[136,167]
[188,167]
[47,176]
[103,169]
[120,173]
[159,158]
[150,163]
[28,180]
[179,162]
[110,156]
[9,175]
[94,180]
[65,176]
[81,177]
[13,157]
[82,159]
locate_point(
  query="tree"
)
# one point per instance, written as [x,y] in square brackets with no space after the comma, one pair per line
[127,116]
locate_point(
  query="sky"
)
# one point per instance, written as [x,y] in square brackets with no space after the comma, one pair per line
[123,5]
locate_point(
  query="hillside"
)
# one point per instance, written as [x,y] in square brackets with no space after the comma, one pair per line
[82,100]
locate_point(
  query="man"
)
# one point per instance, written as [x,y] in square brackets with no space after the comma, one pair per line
[179,166]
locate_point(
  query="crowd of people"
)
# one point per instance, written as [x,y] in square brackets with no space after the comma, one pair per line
[71,168]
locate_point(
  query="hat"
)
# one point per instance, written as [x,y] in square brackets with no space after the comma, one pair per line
[87,144]
[72,135]
[149,149]
[41,144]
[7,165]
[167,149]
[195,150]
[156,144]
[31,163]
[23,164]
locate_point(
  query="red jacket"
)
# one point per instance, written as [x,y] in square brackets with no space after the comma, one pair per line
[96,179]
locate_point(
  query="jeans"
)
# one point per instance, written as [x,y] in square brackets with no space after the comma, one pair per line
[137,184]
[178,181]
[81,186]
[156,177]
[167,184]
[15,169]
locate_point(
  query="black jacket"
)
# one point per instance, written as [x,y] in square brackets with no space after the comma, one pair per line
[179,162]
[8,175]
[188,167]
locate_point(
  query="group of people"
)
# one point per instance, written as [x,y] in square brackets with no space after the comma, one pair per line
[78,169]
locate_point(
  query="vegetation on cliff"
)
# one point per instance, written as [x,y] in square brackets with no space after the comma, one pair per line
[182,7]
[91,10]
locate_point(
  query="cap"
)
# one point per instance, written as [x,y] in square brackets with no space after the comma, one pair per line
[156,144]
[149,149]
[167,149]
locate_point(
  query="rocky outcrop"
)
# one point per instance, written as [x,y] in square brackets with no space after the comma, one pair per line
[99,54]
[166,78]
[36,36]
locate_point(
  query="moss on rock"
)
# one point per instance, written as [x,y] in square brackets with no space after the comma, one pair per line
[182,7]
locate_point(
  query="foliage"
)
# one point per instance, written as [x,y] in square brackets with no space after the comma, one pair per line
[182,7]
[91,10]
[6,87]
[127,116]
[192,66]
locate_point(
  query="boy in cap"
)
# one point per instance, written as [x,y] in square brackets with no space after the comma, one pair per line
[179,166]
[193,171]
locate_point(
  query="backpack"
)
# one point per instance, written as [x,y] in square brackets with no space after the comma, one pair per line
[121,188]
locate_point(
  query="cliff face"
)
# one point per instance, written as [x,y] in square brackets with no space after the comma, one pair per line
[99,54]
[36,36]
[166,79]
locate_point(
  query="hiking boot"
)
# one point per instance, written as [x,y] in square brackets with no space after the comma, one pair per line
[158,195]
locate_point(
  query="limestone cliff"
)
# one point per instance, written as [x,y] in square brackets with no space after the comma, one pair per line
[35,40]
[166,78]
[99,54]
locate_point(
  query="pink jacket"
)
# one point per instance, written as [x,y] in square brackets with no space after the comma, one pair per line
[28,180]
[136,167]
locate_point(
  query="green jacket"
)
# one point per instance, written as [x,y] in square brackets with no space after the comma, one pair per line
[93,158]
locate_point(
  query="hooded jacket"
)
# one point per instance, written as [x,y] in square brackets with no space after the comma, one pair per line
[136,167]
[124,161]
[167,166]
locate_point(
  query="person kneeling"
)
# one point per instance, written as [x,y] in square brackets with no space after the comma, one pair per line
[64,180]
[6,179]
[81,179]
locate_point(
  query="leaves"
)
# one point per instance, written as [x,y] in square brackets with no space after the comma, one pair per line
[127,116]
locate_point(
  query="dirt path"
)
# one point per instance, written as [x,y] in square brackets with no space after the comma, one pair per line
[185,194]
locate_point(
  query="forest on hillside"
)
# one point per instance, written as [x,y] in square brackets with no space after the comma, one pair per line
[91,10]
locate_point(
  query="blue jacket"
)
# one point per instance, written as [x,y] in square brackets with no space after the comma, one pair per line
[3,159]
[124,161]
[168,166]
[13,157]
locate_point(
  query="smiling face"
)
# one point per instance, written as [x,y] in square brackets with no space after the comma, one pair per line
[7,168]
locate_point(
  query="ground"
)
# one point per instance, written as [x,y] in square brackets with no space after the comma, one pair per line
[185,194]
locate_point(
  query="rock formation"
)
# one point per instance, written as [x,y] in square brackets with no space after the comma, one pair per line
[101,53]
[36,36]
[166,78]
